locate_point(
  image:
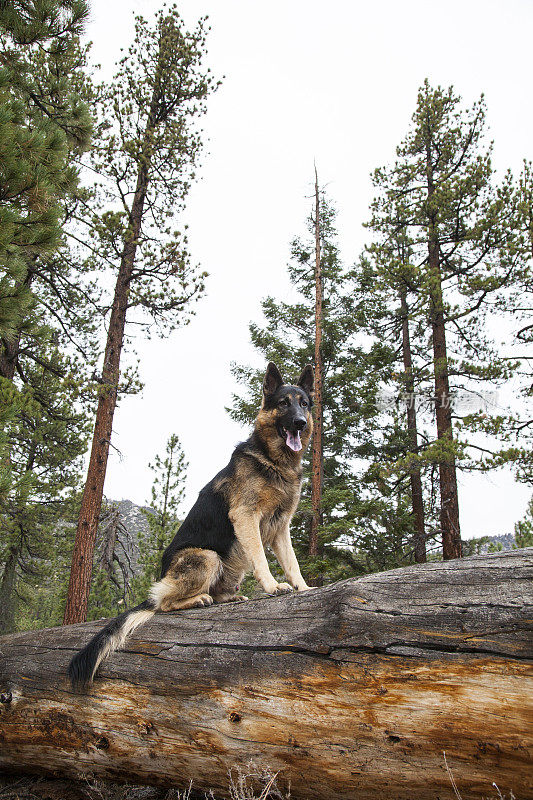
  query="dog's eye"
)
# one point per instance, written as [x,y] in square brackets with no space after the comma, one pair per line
[304,403]
[284,402]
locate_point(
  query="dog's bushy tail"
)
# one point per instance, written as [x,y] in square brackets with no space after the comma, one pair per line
[84,664]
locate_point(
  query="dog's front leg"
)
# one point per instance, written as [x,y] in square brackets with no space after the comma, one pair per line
[246,527]
[284,552]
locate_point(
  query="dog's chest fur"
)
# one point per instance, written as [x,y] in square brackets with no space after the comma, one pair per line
[262,491]
[269,491]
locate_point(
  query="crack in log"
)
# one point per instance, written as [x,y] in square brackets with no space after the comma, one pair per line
[327,653]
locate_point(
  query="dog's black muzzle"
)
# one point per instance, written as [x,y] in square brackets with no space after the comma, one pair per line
[292,423]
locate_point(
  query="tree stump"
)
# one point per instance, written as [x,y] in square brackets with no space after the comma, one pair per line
[353,690]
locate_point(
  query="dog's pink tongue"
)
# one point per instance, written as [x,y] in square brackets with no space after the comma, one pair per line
[293,441]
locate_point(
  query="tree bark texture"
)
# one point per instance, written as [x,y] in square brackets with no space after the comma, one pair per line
[10,348]
[82,555]
[317,453]
[9,351]
[7,591]
[417,497]
[351,691]
[449,499]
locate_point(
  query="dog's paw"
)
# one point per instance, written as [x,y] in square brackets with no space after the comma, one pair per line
[203,600]
[302,587]
[231,598]
[282,588]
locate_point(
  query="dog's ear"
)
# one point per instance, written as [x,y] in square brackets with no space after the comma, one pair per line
[272,380]
[307,380]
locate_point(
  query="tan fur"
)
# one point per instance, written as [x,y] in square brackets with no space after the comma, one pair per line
[235,565]
[188,581]
[284,552]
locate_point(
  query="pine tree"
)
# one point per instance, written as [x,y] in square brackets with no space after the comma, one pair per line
[523,529]
[521,307]
[44,125]
[113,567]
[148,147]
[516,302]
[317,469]
[441,196]
[168,491]
[42,120]
[415,477]
[46,439]
[386,274]
[364,520]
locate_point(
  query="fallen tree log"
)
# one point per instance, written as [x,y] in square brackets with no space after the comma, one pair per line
[353,690]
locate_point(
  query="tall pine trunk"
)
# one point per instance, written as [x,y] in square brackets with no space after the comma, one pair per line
[449,500]
[414,473]
[7,591]
[8,582]
[449,510]
[318,457]
[9,353]
[82,556]
[8,356]
[10,348]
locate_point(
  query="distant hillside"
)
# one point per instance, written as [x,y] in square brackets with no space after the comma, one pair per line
[134,521]
[132,515]
[506,540]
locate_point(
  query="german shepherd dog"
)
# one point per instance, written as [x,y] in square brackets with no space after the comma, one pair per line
[247,506]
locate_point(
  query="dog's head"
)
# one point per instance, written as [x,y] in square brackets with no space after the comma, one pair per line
[286,409]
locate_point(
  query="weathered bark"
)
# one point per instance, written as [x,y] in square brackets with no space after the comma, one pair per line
[350,691]
[91,503]
[449,499]
[8,357]
[317,453]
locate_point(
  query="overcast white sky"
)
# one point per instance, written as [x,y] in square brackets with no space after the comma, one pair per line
[335,82]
